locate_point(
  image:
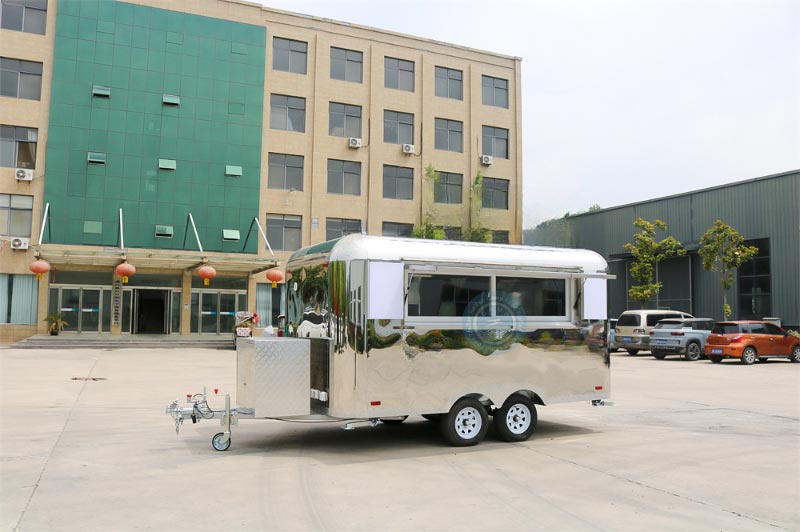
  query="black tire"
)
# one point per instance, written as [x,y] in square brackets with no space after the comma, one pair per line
[516,419]
[658,354]
[393,420]
[433,417]
[693,352]
[218,445]
[466,423]
[795,356]
[715,359]
[749,355]
[632,352]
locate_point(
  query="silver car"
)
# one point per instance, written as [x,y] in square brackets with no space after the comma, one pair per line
[680,337]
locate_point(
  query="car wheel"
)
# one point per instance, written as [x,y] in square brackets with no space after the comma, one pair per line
[659,354]
[632,352]
[466,423]
[795,356]
[516,419]
[693,351]
[715,359]
[748,355]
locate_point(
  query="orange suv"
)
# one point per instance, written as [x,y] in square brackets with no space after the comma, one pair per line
[748,340]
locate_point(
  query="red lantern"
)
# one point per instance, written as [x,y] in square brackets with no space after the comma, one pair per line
[40,267]
[125,270]
[207,272]
[275,276]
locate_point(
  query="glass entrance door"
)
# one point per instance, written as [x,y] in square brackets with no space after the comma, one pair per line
[70,306]
[208,313]
[90,310]
[82,307]
[227,312]
[215,312]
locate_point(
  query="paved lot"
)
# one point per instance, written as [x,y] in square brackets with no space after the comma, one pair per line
[687,446]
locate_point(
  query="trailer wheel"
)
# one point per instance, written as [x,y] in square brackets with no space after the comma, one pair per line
[516,419]
[466,423]
[218,443]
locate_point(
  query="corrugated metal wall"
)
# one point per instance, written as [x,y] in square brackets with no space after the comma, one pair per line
[767,207]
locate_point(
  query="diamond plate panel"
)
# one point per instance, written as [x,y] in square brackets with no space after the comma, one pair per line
[273,376]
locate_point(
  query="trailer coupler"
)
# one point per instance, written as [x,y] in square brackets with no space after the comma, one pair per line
[372,422]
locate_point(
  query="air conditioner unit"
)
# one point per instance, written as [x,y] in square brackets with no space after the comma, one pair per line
[486,160]
[24,174]
[408,149]
[354,142]
[20,243]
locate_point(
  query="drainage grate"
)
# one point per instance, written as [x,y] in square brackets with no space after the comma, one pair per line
[89,379]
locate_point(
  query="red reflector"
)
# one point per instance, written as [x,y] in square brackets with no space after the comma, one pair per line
[374,403]
[598,387]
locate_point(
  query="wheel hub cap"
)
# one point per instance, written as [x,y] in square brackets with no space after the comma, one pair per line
[468,423]
[518,419]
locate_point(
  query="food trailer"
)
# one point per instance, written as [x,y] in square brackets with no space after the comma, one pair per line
[379,329]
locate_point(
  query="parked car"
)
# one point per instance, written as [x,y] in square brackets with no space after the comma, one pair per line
[680,337]
[634,326]
[748,340]
[611,341]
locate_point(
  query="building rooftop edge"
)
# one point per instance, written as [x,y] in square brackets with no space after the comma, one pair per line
[681,194]
[254,3]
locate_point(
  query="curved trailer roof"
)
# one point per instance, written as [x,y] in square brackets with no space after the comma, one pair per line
[357,246]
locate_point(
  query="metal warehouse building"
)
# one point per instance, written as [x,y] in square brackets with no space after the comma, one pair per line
[764,210]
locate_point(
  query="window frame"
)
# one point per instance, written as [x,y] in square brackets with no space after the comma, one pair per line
[443,125]
[14,142]
[397,178]
[493,192]
[284,111]
[9,218]
[446,80]
[398,127]
[343,230]
[525,323]
[283,227]
[403,225]
[272,182]
[347,62]
[348,118]
[293,53]
[490,147]
[444,188]
[491,98]
[395,64]
[27,6]
[20,67]
[343,174]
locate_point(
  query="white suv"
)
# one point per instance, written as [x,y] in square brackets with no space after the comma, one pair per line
[633,327]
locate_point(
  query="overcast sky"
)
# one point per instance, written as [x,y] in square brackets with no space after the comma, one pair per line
[625,100]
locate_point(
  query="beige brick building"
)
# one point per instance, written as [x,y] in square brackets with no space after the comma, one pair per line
[349,118]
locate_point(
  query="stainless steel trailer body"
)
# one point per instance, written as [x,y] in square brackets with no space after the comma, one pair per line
[453,331]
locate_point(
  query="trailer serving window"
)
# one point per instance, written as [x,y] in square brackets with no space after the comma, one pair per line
[532,296]
[445,295]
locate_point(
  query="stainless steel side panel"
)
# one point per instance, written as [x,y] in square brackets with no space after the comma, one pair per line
[427,371]
[273,376]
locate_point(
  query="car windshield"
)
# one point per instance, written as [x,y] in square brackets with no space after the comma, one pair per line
[669,325]
[629,320]
[725,328]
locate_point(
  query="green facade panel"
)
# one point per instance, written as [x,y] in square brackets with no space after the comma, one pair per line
[216,69]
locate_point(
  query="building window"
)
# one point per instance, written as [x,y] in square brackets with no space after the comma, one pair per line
[287,113]
[495,91]
[448,188]
[398,182]
[495,142]
[500,237]
[20,79]
[495,193]
[397,229]
[19,295]
[16,215]
[285,171]
[398,74]
[449,83]
[289,55]
[452,232]
[346,65]
[449,135]
[344,177]
[398,128]
[339,227]
[270,302]
[284,231]
[29,16]
[755,283]
[18,147]
[344,120]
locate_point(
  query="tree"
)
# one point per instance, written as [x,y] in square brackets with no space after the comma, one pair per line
[723,251]
[647,253]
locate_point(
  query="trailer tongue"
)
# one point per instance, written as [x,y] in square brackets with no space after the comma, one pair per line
[379,329]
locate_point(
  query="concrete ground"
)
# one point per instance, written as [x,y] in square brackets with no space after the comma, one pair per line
[687,446]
